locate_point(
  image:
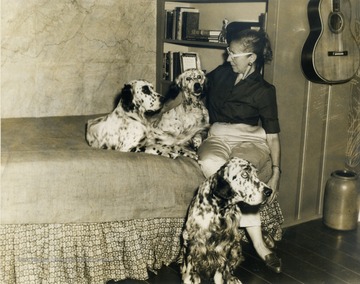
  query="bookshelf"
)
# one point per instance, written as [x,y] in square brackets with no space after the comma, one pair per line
[211,16]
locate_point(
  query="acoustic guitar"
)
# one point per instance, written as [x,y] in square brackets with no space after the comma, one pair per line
[330,54]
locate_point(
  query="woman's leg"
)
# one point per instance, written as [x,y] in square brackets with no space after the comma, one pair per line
[258,241]
[271,260]
[213,153]
[251,222]
[258,155]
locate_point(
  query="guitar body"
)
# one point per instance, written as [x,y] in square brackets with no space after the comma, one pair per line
[330,54]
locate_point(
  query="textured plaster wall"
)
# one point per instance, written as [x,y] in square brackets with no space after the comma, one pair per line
[72,57]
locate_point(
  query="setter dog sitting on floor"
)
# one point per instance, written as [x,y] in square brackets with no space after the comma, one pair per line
[211,238]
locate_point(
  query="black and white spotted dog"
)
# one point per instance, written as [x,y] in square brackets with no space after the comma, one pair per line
[127,127]
[179,132]
[181,129]
[211,248]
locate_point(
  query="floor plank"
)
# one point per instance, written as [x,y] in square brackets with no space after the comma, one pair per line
[319,261]
[311,253]
[319,248]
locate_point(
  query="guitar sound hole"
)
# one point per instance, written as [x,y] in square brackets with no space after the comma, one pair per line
[336,22]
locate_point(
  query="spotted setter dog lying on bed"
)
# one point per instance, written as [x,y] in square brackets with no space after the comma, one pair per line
[127,127]
[211,248]
[130,127]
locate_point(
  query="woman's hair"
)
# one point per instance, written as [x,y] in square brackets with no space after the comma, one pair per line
[254,41]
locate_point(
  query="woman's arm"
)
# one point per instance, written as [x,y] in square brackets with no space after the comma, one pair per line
[273,141]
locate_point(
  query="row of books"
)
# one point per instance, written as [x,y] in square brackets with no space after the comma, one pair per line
[204,35]
[174,63]
[182,23]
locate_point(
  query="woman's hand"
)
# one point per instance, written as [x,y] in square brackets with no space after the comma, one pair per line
[274,145]
[273,183]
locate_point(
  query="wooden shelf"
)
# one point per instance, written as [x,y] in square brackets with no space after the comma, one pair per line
[197,43]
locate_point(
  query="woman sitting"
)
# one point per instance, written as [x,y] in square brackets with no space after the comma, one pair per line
[244,123]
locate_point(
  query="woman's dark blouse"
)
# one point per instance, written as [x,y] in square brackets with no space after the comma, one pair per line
[247,102]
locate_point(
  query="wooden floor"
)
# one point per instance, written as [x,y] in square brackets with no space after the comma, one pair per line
[310,253]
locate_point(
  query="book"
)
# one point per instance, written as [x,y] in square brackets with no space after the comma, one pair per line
[170,65]
[197,32]
[263,21]
[176,68]
[203,38]
[190,22]
[166,64]
[178,20]
[169,18]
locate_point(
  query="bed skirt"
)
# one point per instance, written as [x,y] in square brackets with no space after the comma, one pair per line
[88,252]
[99,252]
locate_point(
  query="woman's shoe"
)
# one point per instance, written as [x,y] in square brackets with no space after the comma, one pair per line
[273,262]
[268,240]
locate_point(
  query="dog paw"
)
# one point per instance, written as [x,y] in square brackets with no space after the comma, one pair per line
[233,280]
[191,154]
[196,141]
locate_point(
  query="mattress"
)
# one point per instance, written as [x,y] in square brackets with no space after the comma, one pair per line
[49,174]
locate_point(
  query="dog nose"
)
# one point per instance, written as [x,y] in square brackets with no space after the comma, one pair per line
[267,191]
[197,88]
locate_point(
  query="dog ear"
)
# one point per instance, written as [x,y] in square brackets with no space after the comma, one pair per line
[173,91]
[222,188]
[127,98]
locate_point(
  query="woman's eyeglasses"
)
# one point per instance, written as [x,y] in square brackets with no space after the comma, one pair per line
[234,55]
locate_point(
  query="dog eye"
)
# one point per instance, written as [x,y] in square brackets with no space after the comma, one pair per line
[244,175]
[199,76]
[146,90]
[188,78]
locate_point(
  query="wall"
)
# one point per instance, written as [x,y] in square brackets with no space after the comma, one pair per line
[72,57]
[314,117]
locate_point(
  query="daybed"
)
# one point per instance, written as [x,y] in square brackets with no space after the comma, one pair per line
[74,214]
